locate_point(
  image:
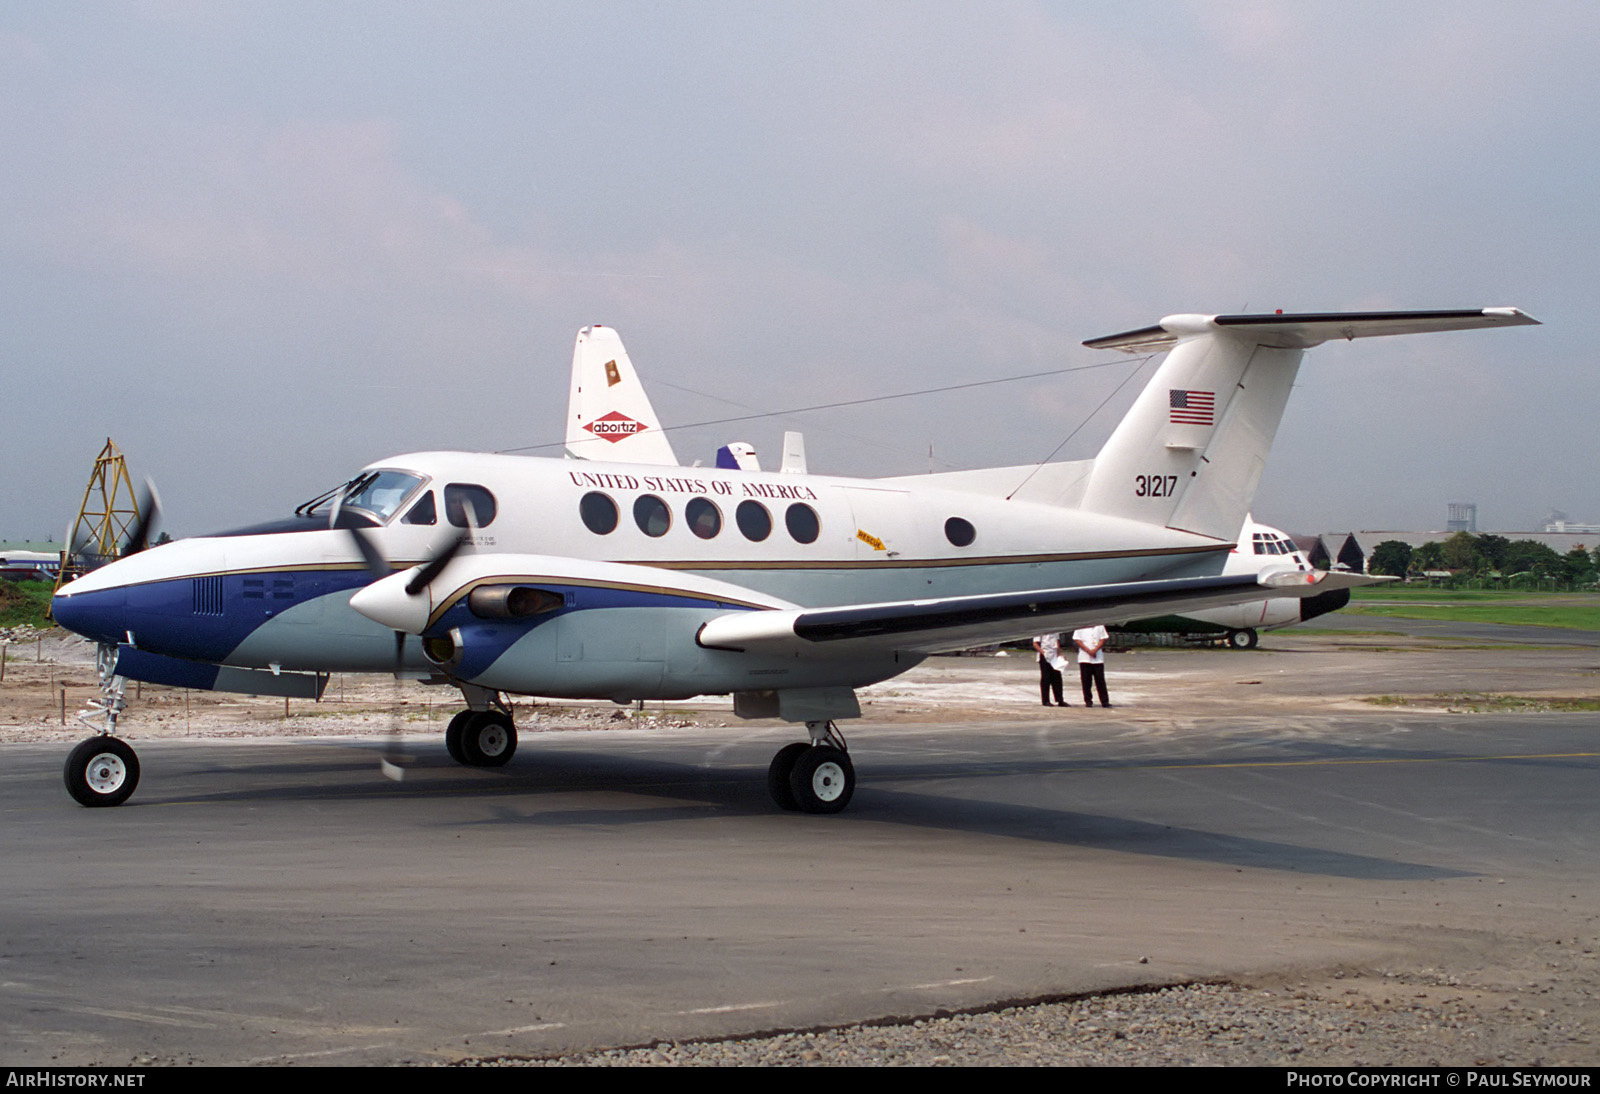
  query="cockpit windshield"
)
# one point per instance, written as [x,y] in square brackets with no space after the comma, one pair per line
[381,493]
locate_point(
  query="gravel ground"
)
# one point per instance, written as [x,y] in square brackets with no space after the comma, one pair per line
[1346,1018]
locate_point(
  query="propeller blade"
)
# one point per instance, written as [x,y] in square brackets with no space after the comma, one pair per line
[377,567]
[389,762]
[149,516]
[435,566]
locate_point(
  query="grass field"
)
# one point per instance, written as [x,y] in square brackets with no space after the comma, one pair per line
[24,602]
[1578,610]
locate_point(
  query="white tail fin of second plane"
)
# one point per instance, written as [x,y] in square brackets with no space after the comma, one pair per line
[1190,451]
[609,416]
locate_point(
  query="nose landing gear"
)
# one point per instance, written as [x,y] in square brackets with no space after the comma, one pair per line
[104,769]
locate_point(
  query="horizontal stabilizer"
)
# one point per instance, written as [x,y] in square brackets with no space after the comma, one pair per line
[952,623]
[1190,451]
[1306,329]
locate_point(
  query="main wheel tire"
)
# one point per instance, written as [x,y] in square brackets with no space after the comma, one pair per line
[1243,640]
[778,773]
[452,735]
[101,771]
[488,739]
[823,779]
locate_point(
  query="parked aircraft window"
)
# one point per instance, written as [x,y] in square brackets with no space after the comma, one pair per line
[423,512]
[457,496]
[651,514]
[599,513]
[960,532]
[802,522]
[381,494]
[754,520]
[705,519]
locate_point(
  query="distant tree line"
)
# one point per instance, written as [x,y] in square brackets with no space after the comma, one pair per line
[1489,558]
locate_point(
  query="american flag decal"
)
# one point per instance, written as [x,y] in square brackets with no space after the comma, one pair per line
[1192,407]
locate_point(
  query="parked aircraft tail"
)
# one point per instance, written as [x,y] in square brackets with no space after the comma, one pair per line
[609,416]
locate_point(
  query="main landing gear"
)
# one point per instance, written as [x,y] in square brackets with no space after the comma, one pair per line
[814,777]
[1243,640]
[481,738]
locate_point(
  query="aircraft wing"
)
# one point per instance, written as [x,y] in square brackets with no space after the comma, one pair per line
[953,623]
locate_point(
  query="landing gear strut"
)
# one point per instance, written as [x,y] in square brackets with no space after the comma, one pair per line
[814,777]
[103,770]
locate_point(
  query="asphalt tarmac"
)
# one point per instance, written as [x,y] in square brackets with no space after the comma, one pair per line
[277,901]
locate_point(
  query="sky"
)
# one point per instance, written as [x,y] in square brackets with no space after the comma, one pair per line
[262,245]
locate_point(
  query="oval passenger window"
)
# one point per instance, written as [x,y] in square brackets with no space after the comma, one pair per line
[705,519]
[651,514]
[960,532]
[599,513]
[802,523]
[753,520]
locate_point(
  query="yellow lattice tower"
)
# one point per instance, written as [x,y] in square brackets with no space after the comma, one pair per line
[106,519]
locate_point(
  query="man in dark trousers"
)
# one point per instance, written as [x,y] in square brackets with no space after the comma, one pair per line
[1049,649]
[1091,643]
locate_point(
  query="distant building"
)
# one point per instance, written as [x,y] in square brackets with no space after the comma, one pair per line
[1463,517]
[1557,522]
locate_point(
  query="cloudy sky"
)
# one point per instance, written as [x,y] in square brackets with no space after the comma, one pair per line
[261,245]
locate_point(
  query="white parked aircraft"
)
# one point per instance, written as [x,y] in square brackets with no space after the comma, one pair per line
[1261,548]
[588,579]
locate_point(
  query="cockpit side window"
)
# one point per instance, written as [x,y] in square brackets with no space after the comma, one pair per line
[382,493]
[458,496]
[423,512]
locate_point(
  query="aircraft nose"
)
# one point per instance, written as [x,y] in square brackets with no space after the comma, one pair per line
[100,614]
[1323,603]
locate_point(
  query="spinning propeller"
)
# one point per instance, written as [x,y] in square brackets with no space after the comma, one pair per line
[148,503]
[417,603]
[81,537]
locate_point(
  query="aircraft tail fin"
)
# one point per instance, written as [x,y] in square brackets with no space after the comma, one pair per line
[1190,451]
[609,416]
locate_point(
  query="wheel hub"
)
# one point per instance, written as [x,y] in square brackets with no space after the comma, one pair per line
[827,782]
[492,741]
[105,773]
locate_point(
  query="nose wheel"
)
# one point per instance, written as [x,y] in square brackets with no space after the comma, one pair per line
[101,771]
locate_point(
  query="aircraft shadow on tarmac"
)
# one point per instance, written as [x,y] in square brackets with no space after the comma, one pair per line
[692,792]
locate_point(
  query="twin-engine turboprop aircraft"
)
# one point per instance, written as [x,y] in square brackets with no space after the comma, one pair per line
[513,575]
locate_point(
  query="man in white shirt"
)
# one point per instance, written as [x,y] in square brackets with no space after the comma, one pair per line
[1091,643]
[1050,662]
